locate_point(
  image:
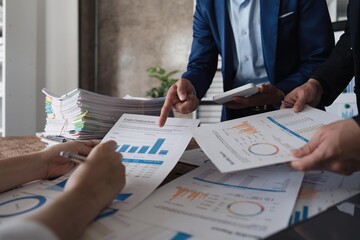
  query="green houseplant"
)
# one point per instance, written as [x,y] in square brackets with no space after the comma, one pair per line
[165,81]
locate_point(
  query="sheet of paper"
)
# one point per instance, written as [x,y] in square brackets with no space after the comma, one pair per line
[120,227]
[212,205]
[29,198]
[195,157]
[322,189]
[149,152]
[48,188]
[259,140]
[18,203]
[315,199]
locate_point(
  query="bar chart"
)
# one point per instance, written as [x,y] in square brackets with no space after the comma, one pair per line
[145,149]
[148,152]
[299,215]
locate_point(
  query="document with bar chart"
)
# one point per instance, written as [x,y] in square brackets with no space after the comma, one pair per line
[259,140]
[149,152]
[249,204]
[322,189]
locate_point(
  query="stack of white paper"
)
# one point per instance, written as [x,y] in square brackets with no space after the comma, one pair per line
[82,114]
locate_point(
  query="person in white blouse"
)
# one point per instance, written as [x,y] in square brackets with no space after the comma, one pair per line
[90,188]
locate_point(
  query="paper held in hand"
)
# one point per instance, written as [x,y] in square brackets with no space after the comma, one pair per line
[259,140]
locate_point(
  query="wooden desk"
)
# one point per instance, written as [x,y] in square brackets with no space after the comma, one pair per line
[12,146]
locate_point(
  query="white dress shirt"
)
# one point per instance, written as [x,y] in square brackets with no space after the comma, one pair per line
[25,230]
[246,26]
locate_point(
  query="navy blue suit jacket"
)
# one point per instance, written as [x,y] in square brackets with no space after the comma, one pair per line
[344,62]
[293,46]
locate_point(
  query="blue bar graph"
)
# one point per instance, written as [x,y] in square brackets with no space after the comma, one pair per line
[155,149]
[143,149]
[163,152]
[124,148]
[300,215]
[157,146]
[297,217]
[305,213]
[347,114]
[133,149]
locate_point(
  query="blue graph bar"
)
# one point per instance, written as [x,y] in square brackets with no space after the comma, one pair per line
[287,129]
[305,213]
[157,146]
[59,187]
[297,217]
[123,196]
[163,152]
[105,213]
[62,184]
[142,161]
[181,236]
[143,149]
[133,149]
[347,114]
[124,148]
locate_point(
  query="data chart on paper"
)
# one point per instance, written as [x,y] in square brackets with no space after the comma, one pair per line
[259,140]
[251,203]
[144,157]
[16,203]
[149,152]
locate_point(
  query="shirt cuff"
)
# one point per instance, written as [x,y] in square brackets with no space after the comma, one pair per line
[24,229]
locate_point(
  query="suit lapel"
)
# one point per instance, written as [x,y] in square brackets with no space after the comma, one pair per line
[269,12]
[226,36]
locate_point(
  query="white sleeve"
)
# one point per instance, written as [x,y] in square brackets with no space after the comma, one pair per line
[24,229]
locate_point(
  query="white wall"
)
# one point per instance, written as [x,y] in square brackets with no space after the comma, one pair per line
[57,50]
[62,45]
[19,68]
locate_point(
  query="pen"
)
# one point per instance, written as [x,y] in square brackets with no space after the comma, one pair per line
[73,156]
[57,138]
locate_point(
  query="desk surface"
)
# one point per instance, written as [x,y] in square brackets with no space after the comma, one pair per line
[12,146]
[332,224]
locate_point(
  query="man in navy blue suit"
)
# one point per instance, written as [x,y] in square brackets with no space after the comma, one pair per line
[334,147]
[275,44]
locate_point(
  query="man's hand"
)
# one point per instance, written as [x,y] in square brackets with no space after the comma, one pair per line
[181,97]
[268,94]
[334,148]
[308,93]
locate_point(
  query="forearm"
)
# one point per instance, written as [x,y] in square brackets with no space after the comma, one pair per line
[18,170]
[69,214]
